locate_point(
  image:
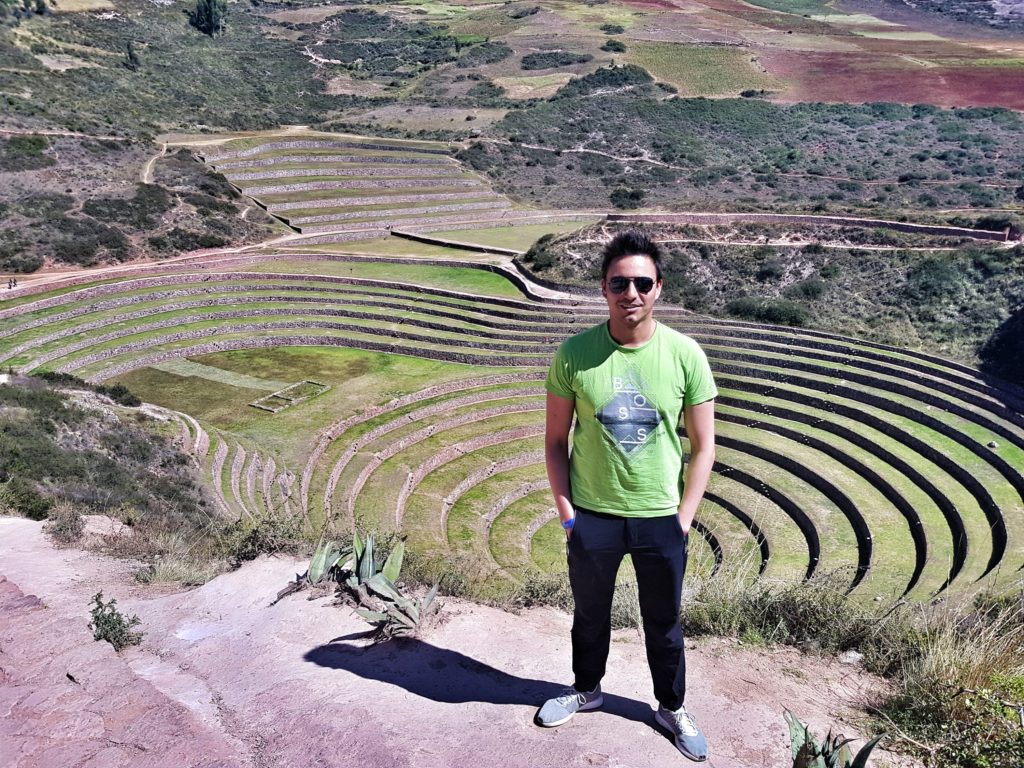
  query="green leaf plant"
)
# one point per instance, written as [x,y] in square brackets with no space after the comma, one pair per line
[832,752]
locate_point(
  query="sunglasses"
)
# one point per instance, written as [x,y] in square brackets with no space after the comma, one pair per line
[620,284]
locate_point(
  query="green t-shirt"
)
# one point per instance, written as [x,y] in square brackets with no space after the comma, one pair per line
[627,458]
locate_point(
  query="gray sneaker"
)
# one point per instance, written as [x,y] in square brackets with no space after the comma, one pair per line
[561,708]
[687,736]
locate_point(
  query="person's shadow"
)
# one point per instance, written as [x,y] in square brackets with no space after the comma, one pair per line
[450,677]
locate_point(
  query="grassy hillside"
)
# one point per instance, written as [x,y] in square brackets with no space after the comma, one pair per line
[955,301]
[80,201]
[85,450]
[612,137]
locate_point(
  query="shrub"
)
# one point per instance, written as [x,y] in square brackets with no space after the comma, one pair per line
[120,394]
[539,255]
[265,536]
[64,524]
[21,263]
[522,13]
[110,624]
[621,197]
[612,29]
[139,212]
[552,59]
[210,17]
[486,91]
[485,53]
[771,270]
[774,311]
[25,153]
[605,78]
[932,280]
[614,46]
[812,288]
[20,495]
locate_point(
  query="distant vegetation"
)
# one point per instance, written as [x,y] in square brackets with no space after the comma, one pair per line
[959,303]
[88,219]
[992,13]
[54,449]
[553,59]
[210,17]
[750,154]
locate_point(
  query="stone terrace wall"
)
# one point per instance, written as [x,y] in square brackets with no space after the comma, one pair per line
[266,162]
[779,218]
[271,146]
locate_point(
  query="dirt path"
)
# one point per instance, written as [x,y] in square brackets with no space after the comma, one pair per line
[48,132]
[223,680]
[146,174]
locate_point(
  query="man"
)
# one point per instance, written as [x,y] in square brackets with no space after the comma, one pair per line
[628,382]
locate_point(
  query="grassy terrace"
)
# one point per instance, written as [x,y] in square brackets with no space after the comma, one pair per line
[833,453]
[385,181]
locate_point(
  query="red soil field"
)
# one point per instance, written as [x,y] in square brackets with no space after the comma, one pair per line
[651,4]
[857,78]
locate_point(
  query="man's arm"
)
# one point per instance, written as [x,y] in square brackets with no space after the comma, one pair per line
[556,452]
[700,430]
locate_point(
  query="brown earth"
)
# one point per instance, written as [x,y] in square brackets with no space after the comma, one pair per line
[853,78]
[224,679]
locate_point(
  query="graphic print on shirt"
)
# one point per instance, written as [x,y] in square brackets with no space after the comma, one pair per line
[631,417]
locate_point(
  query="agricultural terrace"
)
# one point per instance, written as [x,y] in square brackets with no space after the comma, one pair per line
[421,411]
[335,189]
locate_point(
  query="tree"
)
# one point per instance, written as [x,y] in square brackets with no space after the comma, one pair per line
[131,58]
[210,17]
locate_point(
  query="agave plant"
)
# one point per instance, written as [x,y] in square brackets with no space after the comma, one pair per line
[401,615]
[833,752]
[363,564]
[326,557]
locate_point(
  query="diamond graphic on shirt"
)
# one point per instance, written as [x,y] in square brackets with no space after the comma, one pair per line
[630,417]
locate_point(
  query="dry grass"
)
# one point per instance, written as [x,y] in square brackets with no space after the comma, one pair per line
[64,523]
[701,70]
[76,6]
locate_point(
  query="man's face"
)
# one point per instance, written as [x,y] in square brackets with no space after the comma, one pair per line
[631,307]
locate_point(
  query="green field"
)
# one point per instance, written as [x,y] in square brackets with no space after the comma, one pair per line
[475,281]
[700,71]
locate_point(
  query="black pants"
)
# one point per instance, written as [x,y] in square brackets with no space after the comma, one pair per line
[657,547]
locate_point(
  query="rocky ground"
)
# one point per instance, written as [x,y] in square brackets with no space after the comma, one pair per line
[224,679]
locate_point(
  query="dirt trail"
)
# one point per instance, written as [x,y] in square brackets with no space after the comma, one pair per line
[223,680]
[146,174]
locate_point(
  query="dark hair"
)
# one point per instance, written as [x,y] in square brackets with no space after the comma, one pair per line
[630,243]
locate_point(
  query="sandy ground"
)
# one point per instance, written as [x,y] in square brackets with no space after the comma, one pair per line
[223,679]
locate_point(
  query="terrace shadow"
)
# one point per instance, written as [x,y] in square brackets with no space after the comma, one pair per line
[450,677]
[1002,360]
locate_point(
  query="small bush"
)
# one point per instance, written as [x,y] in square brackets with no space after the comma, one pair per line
[25,153]
[174,570]
[624,198]
[613,29]
[771,270]
[266,536]
[522,13]
[20,496]
[485,53]
[552,59]
[64,524]
[812,288]
[614,46]
[120,394]
[110,624]
[774,311]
